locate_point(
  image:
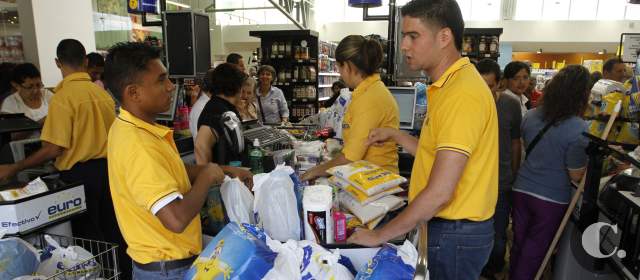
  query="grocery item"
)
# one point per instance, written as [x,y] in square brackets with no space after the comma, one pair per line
[367,177]
[318,223]
[255,157]
[339,227]
[371,211]
[359,195]
[32,188]
[391,262]
[237,252]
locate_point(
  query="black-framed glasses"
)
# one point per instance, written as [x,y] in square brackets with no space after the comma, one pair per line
[33,87]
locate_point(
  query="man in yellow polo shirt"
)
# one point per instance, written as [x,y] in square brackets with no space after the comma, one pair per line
[454,181]
[156,205]
[75,135]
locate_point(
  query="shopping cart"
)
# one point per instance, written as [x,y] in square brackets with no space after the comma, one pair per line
[104,254]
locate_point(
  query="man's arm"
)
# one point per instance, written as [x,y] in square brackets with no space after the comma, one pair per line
[46,153]
[446,173]
[380,135]
[321,170]
[178,214]
[204,142]
[193,171]
[516,155]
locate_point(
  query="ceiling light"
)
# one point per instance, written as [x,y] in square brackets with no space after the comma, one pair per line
[178,4]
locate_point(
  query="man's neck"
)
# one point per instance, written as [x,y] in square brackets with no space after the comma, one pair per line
[447,60]
[144,116]
[232,100]
[66,71]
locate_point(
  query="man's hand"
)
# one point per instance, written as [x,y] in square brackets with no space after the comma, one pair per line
[211,175]
[365,237]
[312,174]
[379,136]
[7,171]
[244,175]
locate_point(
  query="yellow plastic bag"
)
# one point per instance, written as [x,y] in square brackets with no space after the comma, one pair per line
[367,177]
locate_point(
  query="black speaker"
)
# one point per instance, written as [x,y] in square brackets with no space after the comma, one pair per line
[187,45]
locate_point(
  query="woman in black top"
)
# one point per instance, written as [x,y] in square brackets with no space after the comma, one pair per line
[215,141]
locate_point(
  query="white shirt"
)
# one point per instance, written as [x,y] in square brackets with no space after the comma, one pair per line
[523,100]
[14,104]
[194,115]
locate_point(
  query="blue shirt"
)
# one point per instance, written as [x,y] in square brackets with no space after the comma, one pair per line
[544,174]
[273,106]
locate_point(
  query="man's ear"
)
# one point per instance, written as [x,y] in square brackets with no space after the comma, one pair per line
[131,93]
[58,64]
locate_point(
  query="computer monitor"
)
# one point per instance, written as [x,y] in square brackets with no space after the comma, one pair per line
[171,113]
[406,99]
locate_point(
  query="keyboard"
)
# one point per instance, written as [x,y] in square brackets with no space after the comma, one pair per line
[266,135]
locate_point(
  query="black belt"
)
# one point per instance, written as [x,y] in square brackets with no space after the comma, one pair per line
[438,219]
[165,265]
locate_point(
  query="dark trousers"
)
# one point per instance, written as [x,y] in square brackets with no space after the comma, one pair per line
[500,224]
[535,222]
[99,222]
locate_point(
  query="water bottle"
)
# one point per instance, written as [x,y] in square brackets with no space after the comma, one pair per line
[255,157]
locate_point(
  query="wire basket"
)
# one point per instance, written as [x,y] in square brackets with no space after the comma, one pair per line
[104,254]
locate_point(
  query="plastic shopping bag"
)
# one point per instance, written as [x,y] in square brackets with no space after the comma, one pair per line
[307,260]
[391,262]
[238,201]
[275,206]
[237,252]
[77,262]
[17,258]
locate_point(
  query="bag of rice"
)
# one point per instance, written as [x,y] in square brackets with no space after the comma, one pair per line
[367,177]
[359,195]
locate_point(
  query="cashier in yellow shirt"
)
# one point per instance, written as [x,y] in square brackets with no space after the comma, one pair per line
[156,204]
[372,106]
[75,135]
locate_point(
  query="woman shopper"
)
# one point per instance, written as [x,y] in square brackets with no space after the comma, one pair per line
[555,146]
[30,98]
[273,106]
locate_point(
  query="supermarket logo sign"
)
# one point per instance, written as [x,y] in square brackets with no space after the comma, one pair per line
[64,208]
[591,241]
[22,222]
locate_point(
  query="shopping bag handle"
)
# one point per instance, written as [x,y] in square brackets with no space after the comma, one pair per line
[422,273]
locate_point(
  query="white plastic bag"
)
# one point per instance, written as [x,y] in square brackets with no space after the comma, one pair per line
[275,206]
[238,201]
[78,262]
[306,260]
[17,258]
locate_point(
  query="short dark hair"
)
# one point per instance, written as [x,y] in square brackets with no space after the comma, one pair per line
[95,59]
[567,94]
[6,70]
[440,13]
[226,79]
[339,84]
[234,58]
[71,52]
[124,64]
[365,53]
[610,63]
[24,71]
[489,66]
[268,68]
[512,69]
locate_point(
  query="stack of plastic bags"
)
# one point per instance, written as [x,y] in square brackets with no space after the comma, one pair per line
[367,190]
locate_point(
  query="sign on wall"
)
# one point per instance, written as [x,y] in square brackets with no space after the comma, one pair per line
[142,6]
[630,44]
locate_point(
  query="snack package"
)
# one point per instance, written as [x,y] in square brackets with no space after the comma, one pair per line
[371,211]
[367,177]
[237,252]
[359,195]
[391,262]
[238,201]
[75,261]
[17,258]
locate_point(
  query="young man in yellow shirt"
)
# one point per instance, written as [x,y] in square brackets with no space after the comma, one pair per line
[156,205]
[454,181]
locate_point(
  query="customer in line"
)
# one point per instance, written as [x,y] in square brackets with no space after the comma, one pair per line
[372,106]
[516,76]
[95,67]
[509,119]
[216,141]
[454,181]
[236,59]
[336,87]
[556,156]
[75,135]
[247,107]
[31,99]
[156,204]
[196,110]
[614,69]
[271,102]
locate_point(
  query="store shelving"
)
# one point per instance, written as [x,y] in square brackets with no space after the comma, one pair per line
[479,43]
[328,70]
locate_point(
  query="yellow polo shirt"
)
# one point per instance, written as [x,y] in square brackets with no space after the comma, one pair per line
[80,115]
[461,118]
[144,167]
[372,106]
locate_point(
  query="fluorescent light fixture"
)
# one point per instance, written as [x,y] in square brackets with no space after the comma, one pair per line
[178,4]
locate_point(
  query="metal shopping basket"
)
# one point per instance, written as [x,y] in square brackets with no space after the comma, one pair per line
[104,254]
